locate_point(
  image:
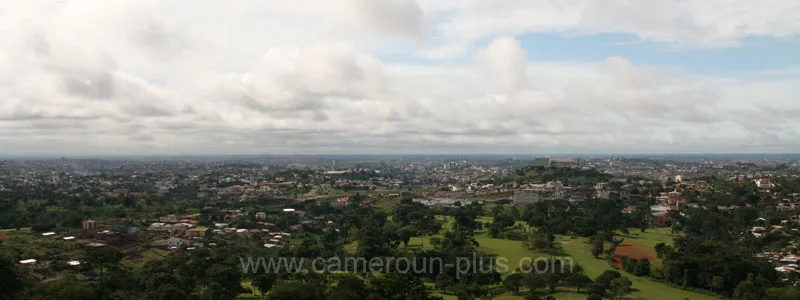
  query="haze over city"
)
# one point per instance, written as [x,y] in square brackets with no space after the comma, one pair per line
[428,76]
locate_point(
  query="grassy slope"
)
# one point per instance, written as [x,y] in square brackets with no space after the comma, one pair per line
[579,250]
[650,238]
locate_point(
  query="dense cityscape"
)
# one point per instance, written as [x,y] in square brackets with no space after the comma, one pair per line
[635,226]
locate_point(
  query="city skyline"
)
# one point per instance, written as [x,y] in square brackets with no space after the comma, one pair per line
[89,78]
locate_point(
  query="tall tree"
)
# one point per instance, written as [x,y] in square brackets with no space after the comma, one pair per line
[597,246]
[294,290]
[620,286]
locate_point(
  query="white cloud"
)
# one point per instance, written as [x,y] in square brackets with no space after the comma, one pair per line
[712,23]
[90,77]
[504,62]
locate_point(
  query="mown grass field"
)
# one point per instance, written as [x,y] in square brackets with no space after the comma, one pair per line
[579,250]
[650,238]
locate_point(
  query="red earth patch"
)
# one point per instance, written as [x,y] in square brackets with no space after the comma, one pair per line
[632,251]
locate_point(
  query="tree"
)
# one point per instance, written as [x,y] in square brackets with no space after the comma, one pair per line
[785,293]
[596,289]
[642,268]
[513,282]
[167,291]
[578,281]
[594,297]
[748,290]
[620,286]
[539,240]
[717,283]
[494,231]
[462,292]
[605,279]
[11,281]
[397,286]
[220,281]
[597,247]
[533,281]
[444,281]
[295,290]
[347,287]
[264,282]
[435,241]
[65,289]
[405,233]
[532,296]
[660,247]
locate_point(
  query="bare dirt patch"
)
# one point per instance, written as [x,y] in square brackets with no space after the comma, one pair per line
[632,251]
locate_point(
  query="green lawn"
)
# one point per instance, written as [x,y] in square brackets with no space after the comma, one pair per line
[248,285]
[580,251]
[154,254]
[650,238]
[512,251]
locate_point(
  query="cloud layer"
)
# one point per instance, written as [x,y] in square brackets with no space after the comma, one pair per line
[146,77]
[710,23]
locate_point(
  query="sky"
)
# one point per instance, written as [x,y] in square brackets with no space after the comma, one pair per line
[144,77]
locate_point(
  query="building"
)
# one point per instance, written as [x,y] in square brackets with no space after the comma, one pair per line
[764,183]
[261,215]
[340,202]
[555,184]
[564,162]
[90,225]
[198,232]
[169,218]
[544,162]
[602,194]
[28,262]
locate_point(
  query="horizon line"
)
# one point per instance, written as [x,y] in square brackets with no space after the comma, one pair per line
[622,154]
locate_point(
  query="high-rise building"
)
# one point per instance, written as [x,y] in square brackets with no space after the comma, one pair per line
[542,162]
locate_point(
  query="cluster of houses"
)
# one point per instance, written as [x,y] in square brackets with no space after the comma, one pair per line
[786,261]
[90,239]
[555,190]
[444,202]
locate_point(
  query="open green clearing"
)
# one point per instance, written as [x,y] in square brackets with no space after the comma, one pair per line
[650,238]
[579,250]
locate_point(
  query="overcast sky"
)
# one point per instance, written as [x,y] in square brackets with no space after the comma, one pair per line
[398,76]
